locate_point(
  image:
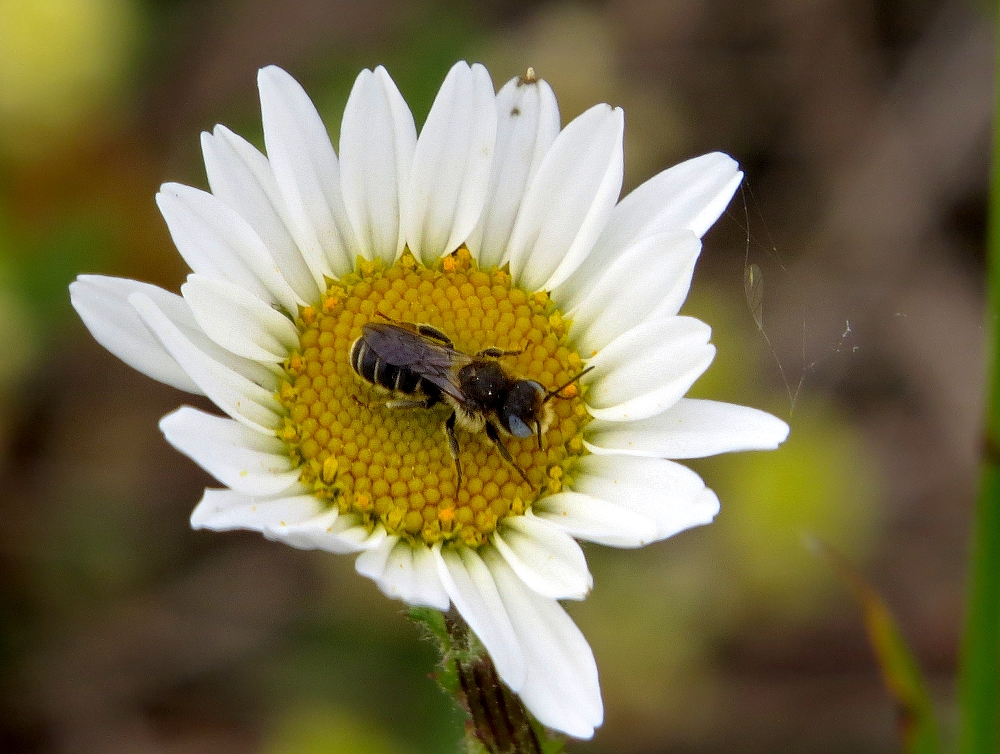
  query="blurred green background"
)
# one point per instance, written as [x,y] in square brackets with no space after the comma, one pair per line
[862,125]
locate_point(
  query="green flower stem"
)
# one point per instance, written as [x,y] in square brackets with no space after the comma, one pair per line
[498,722]
[979,682]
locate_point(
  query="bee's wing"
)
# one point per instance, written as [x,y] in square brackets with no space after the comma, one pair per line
[402,347]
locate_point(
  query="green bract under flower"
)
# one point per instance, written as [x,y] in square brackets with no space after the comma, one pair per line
[392,465]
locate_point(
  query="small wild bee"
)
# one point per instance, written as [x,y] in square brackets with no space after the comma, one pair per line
[420,361]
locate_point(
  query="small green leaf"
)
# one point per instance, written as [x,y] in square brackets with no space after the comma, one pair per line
[435,627]
[550,745]
[433,623]
[900,672]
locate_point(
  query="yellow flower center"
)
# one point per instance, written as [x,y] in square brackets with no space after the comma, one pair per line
[393,465]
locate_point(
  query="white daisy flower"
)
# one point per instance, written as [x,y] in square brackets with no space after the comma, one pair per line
[501,231]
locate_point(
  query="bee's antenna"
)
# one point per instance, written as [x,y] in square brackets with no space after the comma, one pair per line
[553,393]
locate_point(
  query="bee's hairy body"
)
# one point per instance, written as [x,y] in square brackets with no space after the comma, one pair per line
[394,379]
[418,365]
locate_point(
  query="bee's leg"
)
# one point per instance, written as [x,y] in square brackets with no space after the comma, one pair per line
[429,400]
[449,430]
[406,403]
[401,403]
[426,330]
[496,353]
[494,434]
[434,334]
[370,406]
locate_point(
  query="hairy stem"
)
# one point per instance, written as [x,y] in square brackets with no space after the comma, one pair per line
[498,722]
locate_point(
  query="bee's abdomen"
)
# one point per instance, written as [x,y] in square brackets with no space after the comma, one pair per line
[397,379]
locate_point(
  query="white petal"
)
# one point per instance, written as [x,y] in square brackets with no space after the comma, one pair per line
[242,178]
[428,589]
[223,510]
[561,688]
[377,139]
[687,196]
[215,241]
[528,123]
[232,392]
[646,370]
[241,458]
[589,518]
[451,164]
[569,199]
[470,586]
[649,280]
[239,321]
[404,572]
[102,303]
[690,195]
[545,558]
[305,167]
[372,562]
[266,375]
[689,429]
[178,311]
[671,495]
[327,531]
[204,246]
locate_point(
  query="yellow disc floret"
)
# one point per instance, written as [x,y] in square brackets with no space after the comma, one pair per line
[392,465]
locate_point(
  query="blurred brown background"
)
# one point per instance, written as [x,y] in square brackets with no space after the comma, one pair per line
[863,128]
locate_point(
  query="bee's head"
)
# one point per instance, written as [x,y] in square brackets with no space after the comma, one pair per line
[527,412]
[524,412]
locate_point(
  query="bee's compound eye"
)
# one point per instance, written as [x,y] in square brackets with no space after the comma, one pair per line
[518,428]
[520,410]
